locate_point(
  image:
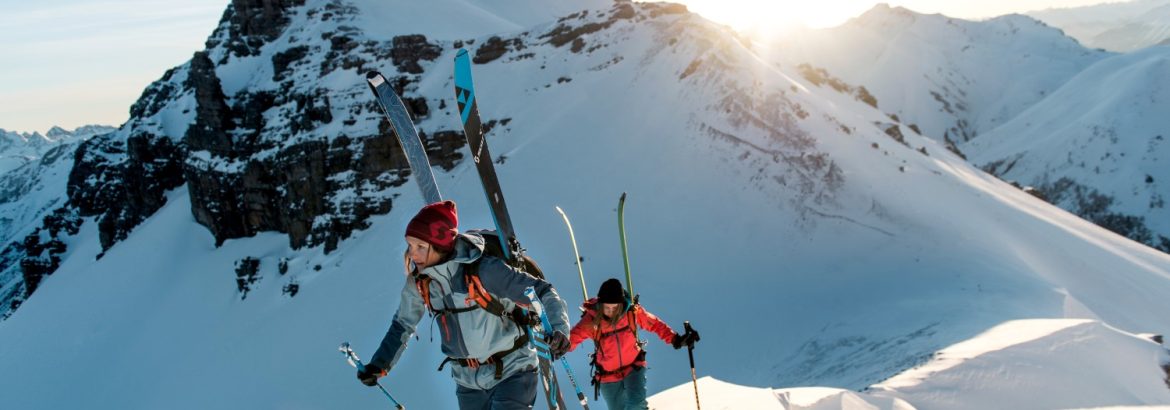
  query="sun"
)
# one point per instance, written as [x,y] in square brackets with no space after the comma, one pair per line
[764,17]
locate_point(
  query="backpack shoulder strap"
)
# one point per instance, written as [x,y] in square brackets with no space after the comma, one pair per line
[633,318]
[477,294]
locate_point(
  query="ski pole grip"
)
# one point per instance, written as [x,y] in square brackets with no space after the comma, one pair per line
[689,332]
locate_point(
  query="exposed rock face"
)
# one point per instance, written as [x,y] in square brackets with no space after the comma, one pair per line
[212,115]
[281,151]
[410,49]
[123,182]
[253,23]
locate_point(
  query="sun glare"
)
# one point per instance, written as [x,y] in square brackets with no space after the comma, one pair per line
[776,16]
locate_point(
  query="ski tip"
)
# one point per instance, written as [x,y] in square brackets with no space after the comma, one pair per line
[559,209]
[623,196]
[375,78]
[462,52]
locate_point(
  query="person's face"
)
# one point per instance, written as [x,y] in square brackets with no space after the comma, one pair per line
[422,253]
[611,310]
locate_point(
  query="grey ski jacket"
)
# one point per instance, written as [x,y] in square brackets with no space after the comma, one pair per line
[475,334]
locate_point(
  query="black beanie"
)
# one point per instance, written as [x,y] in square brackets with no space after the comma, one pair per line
[611,292]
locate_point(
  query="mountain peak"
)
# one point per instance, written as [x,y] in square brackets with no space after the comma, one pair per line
[884,13]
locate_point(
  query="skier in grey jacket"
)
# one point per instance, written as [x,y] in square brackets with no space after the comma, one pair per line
[483,334]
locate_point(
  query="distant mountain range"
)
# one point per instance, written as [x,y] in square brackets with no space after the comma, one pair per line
[20,148]
[1117,26]
[1079,127]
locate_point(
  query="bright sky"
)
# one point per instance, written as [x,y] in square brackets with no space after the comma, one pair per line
[77,62]
[773,14]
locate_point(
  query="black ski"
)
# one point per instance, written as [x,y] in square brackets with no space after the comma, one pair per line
[469,114]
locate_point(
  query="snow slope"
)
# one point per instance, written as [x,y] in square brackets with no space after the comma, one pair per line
[1037,364]
[1098,146]
[807,246]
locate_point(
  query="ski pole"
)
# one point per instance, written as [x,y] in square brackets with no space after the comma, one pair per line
[580,395]
[354,361]
[691,353]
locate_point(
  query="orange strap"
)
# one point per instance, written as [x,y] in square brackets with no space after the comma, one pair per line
[476,293]
[423,284]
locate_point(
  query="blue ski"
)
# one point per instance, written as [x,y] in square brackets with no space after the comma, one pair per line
[469,115]
[538,308]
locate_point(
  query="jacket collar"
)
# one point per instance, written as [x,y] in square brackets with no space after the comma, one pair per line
[468,249]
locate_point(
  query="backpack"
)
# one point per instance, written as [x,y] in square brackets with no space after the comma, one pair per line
[477,295]
[492,246]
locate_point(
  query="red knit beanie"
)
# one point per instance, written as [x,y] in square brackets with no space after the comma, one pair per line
[437,224]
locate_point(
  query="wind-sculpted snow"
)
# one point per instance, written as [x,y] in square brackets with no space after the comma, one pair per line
[1035,364]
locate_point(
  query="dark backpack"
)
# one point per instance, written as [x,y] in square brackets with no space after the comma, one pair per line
[492,246]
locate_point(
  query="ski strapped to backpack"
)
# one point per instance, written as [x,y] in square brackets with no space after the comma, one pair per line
[626,260]
[412,145]
[466,101]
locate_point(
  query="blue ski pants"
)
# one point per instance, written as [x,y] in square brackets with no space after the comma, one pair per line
[627,394]
[516,392]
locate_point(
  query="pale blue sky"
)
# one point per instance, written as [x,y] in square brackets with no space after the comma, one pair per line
[75,62]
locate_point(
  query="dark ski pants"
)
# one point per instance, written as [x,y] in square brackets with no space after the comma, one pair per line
[627,394]
[516,392]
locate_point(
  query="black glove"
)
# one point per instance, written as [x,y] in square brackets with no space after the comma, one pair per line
[685,339]
[558,344]
[525,317]
[693,336]
[369,374]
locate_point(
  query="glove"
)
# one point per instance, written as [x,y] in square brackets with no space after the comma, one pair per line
[686,339]
[558,344]
[524,317]
[369,374]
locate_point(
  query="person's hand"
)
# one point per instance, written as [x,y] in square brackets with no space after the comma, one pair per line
[369,374]
[692,337]
[525,317]
[558,344]
[685,339]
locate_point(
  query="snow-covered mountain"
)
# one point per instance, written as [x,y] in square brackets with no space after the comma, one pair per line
[950,79]
[20,148]
[1117,26]
[1097,147]
[1011,78]
[32,184]
[808,245]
